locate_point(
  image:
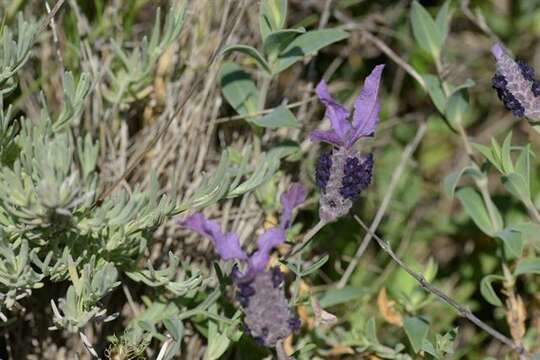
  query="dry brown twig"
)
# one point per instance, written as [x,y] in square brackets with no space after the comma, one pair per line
[461,309]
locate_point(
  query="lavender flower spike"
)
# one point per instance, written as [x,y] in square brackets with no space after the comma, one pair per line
[342,173]
[268,318]
[515,85]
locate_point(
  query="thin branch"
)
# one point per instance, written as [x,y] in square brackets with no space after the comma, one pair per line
[381,45]
[478,20]
[426,285]
[396,176]
[50,15]
[56,41]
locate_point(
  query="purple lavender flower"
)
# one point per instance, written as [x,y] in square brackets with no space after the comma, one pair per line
[267,314]
[342,173]
[515,84]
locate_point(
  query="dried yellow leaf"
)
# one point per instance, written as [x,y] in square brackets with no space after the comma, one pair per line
[387,310]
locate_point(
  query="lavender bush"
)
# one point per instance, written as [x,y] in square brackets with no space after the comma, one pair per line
[132,133]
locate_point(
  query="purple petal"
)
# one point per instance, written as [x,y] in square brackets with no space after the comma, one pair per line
[328,136]
[289,200]
[335,112]
[227,245]
[497,50]
[366,106]
[266,242]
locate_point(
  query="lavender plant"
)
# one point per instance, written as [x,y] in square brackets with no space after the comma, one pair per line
[108,137]
[343,173]
[268,318]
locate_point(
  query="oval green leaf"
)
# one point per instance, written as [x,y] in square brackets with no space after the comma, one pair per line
[425,30]
[280,117]
[306,44]
[487,291]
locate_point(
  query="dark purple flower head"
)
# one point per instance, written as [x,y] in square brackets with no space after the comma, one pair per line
[366,113]
[515,84]
[342,173]
[267,314]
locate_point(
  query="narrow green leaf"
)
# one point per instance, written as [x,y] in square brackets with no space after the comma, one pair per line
[496,150]
[371,331]
[467,84]
[513,241]
[340,296]
[474,206]
[272,16]
[238,88]
[487,291]
[518,186]
[315,266]
[530,232]
[306,44]
[416,329]
[528,266]
[428,347]
[443,19]
[425,30]
[523,166]
[506,160]
[435,92]
[489,154]
[446,342]
[457,108]
[280,117]
[279,40]
[451,181]
[249,51]
[217,342]
[174,327]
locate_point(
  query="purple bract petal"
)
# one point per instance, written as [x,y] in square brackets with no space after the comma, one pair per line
[328,136]
[367,107]
[289,200]
[335,112]
[227,245]
[497,50]
[266,242]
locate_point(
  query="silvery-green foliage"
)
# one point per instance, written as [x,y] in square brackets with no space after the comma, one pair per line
[234,177]
[52,224]
[167,277]
[75,95]
[81,302]
[14,52]
[17,275]
[8,129]
[44,187]
[132,74]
